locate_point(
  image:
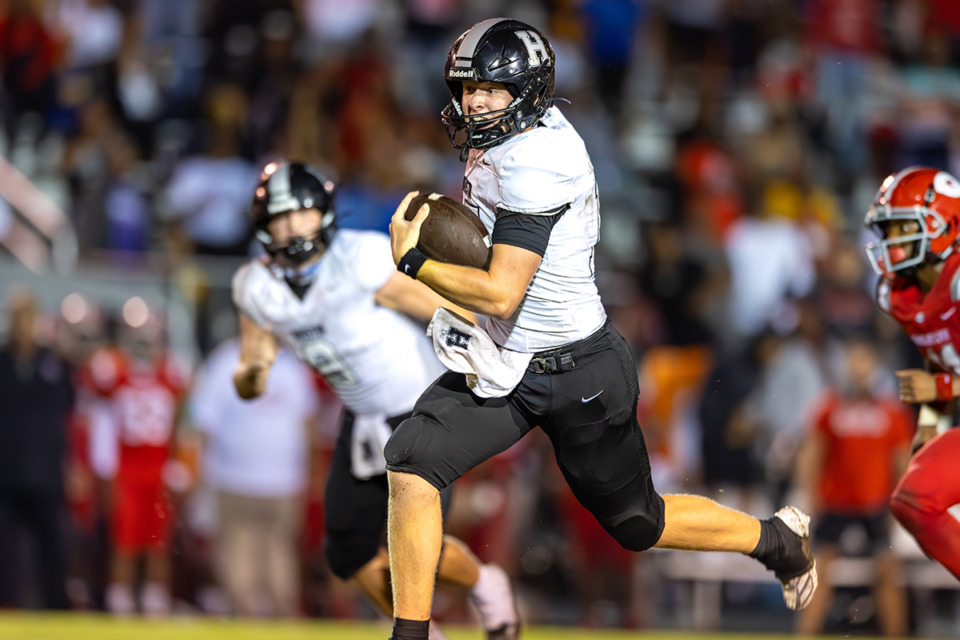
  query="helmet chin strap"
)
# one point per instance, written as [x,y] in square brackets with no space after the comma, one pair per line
[300,251]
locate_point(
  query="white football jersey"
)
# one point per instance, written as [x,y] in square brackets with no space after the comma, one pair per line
[539,172]
[378,360]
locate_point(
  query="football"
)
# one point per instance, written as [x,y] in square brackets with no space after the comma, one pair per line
[452,232]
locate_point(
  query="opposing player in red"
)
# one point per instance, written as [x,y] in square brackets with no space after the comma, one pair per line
[134,447]
[916,216]
[81,330]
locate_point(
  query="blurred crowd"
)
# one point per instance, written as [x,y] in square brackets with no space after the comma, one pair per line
[737,145]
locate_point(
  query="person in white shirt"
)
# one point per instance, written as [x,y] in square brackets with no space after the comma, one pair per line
[561,365]
[254,456]
[335,300]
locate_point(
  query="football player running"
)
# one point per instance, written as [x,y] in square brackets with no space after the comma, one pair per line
[916,216]
[336,301]
[530,180]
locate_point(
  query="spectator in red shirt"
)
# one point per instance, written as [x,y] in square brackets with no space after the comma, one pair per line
[858,446]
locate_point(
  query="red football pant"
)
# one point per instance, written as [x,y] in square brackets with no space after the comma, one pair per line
[141,517]
[930,486]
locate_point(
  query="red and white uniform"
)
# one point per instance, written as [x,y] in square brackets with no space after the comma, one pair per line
[81,494]
[931,320]
[144,399]
[931,485]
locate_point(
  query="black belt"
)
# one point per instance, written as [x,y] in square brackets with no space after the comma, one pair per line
[564,358]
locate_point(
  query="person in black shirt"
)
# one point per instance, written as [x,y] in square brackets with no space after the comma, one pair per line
[36,395]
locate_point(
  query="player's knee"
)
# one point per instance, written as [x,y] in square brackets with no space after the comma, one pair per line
[636,533]
[346,553]
[401,447]
[901,509]
[914,500]
[908,508]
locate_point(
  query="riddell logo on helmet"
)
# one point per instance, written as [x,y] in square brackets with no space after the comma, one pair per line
[461,73]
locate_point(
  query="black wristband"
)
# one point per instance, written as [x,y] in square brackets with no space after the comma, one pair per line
[411,262]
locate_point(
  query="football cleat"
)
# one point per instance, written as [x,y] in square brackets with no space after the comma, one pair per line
[798,588]
[496,603]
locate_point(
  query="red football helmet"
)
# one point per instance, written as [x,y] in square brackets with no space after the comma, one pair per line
[927,196]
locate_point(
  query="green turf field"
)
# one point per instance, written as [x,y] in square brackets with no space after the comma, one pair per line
[18,626]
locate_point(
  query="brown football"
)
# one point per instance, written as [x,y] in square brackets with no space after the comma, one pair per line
[452,232]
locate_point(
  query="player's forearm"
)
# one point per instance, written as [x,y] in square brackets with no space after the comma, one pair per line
[473,289]
[250,381]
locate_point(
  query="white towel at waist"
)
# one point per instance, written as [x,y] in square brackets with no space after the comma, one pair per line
[370,434]
[492,372]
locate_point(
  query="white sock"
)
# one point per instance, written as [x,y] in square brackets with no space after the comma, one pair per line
[156,599]
[493,597]
[487,573]
[119,599]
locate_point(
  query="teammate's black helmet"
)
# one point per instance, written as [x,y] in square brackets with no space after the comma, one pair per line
[498,50]
[289,186]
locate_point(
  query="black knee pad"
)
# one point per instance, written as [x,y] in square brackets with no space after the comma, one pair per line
[400,447]
[413,449]
[347,553]
[638,532]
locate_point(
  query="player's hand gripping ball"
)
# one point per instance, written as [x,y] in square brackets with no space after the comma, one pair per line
[452,232]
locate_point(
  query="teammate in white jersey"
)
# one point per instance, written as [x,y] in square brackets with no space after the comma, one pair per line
[531,181]
[335,300]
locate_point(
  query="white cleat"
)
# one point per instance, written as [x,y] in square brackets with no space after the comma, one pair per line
[798,590]
[496,603]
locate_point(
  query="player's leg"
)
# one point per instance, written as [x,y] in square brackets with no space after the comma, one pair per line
[156,590]
[601,452]
[450,432]
[925,492]
[119,596]
[488,588]
[355,511]
[155,598]
[414,535]
[126,535]
[696,523]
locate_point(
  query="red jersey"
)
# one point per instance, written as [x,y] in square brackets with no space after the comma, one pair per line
[931,320]
[145,399]
[80,494]
[861,438]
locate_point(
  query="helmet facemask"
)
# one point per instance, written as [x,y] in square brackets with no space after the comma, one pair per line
[489,129]
[901,254]
[298,249]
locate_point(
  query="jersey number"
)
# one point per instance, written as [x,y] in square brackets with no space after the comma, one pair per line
[321,355]
[947,359]
[146,415]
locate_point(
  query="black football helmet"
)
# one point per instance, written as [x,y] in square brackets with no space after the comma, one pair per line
[509,52]
[289,186]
